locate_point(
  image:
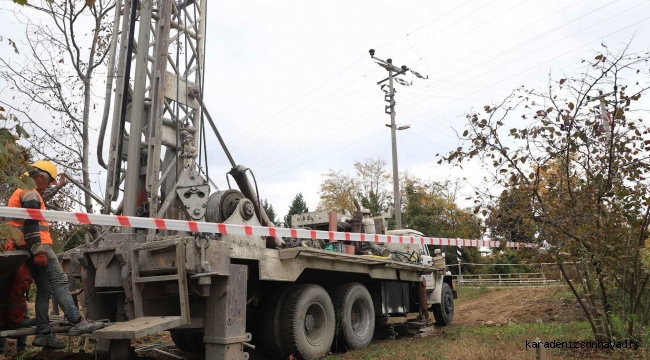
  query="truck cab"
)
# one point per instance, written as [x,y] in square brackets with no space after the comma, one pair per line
[434,283]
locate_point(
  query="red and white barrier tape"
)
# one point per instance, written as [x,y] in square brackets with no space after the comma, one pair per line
[235,229]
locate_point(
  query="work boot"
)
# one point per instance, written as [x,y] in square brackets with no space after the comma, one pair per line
[85,326]
[48,341]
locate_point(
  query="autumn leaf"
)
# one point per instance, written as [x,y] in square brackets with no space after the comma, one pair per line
[562,81]
[21,2]
[90,3]
[571,106]
[21,131]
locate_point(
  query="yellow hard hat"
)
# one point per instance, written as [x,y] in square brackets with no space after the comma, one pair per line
[48,167]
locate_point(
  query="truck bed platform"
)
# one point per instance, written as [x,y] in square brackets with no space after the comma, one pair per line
[292,253]
[137,328]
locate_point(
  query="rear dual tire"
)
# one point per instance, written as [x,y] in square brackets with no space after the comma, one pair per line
[188,340]
[307,323]
[355,316]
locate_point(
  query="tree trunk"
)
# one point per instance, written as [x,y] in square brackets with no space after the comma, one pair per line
[86,118]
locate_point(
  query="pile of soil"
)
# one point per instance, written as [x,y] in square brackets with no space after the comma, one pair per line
[524,305]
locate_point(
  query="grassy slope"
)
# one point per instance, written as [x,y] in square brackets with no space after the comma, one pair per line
[482,342]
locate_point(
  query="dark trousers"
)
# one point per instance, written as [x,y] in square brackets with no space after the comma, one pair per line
[51,280]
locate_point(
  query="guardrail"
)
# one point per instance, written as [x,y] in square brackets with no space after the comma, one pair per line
[517,279]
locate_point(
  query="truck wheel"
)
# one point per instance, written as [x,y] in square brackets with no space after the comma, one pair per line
[270,325]
[188,340]
[179,339]
[382,320]
[307,322]
[355,316]
[444,312]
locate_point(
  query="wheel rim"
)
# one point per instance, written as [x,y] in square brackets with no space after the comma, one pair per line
[449,304]
[315,324]
[359,317]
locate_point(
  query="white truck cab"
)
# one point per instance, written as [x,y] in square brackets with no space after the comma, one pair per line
[436,296]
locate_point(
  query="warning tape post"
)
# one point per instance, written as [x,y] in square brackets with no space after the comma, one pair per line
[236,229]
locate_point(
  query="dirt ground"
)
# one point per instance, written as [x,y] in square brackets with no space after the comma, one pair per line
[517,305]
[520,305]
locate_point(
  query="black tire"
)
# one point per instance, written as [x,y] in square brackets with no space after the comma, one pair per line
[307,322]
[188,340]
[270,326]
[355,316]
[382,320]
[444,312]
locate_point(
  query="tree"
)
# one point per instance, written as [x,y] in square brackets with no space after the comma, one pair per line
[14,162]
[430,207]
[373,181]
[57,75]
[370,185]
[298,206]
[581,179]
[14,158]
[511,225]
[337,192]
[270,212]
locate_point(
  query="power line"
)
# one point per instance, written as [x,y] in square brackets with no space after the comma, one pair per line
[487,72]
[539,36]
[427,24]
[472,84]
[540,64]
[304,96]
[530,40]
[438,32]
[296,119]
[284,171]
[255,129]
[563,54]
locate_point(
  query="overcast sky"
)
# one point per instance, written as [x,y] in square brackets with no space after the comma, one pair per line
[293,89]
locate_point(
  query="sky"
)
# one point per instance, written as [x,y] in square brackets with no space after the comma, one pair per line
[294,92]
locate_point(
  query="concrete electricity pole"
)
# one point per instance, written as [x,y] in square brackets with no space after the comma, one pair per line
[393,72]
[605,119]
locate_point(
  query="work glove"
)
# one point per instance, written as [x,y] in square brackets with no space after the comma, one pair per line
[40,260]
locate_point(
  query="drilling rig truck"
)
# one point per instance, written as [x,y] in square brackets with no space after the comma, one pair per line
[221,293]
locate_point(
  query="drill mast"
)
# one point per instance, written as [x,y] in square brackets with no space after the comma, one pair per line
[157,116]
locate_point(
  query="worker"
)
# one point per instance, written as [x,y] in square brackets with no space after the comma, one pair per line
[44,265]
[14,312]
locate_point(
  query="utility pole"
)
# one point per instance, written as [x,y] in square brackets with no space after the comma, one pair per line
[389,97]
[605,119]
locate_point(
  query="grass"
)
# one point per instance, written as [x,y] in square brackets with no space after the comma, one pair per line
[468,340]
[471,292]
[506,342]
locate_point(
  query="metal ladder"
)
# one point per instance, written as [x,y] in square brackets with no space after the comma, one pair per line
[143,325]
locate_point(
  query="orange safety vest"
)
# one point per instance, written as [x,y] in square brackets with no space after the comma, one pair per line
[44,226]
